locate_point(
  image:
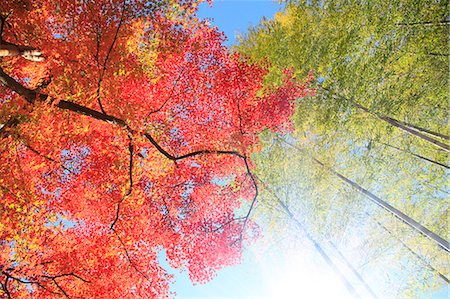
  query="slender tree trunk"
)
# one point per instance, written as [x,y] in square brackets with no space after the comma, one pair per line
[355,272]
[437,54]
[411,129]
[423,130]
[425,23]
[397,213]
[405,128]
[430,267]
[415,155]
[317,246]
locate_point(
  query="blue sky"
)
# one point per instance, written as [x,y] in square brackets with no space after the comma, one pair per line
[246,280]
[235,16]
[258,277]
[300,273]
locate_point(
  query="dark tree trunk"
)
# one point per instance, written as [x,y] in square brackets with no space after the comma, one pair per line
[430,267]
[410,129]
[415,155]
[397,213]
[406,128]
[444,244]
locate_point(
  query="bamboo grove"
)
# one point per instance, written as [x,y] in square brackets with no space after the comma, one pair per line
[365,174]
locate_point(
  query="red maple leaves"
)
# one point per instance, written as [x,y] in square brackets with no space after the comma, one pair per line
[133,138]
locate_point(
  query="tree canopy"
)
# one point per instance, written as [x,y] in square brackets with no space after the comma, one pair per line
[127,134]
[374,134]
[131,134]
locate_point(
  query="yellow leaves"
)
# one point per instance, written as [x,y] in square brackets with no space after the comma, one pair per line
[122,72]
[35,167]
[155,79]
[52,218]
[34,246]
[140,201]
[84,128]
[284,19]
[157,166]
[144,45]
[17,238]
[403,64]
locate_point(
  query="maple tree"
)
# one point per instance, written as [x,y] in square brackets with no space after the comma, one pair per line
[127,134]
[375,131]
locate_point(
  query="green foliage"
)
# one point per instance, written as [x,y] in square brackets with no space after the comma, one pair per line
[389,61]
[391,57]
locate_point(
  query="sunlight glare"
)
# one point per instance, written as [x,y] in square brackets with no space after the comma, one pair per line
[301,275]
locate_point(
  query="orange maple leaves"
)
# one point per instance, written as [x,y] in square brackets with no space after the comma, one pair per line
[117,151]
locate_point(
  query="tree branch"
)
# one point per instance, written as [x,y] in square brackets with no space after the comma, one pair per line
[441,242]
[425,23]
[5,288]
[130,189]
[169,96]
[2,27]
[60,288]
[11,122]
[32,96]
[29,53]
[413,130]
[128,255]
[227,223]
[27,281]
[317,246]
[3,19]
[47,158]
[66,275]
[239,116]
[255,197]
[191,154]
[34,281]
[429,266]
[413,154]
[102,73]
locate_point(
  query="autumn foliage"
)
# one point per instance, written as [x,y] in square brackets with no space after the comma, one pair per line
[131,140]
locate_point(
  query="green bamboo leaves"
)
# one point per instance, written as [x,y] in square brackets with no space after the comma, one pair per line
[379,118]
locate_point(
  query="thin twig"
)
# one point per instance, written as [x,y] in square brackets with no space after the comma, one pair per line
[130,174]
[128,255]
[255,197]
[60,288]
[5,288]
[102,73]
[168,97]
[47,158]
[27,281]
[10,123]
[66,275]
[227,223]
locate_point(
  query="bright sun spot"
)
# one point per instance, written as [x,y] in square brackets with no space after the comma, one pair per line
[302,275]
